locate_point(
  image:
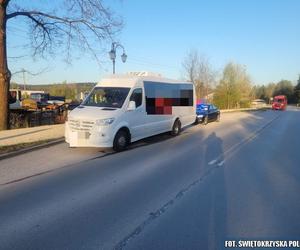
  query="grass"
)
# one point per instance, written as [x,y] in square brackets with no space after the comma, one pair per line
[20,146]
[245,110]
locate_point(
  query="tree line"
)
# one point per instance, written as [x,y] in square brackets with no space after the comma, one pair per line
[283,87]
[233,88]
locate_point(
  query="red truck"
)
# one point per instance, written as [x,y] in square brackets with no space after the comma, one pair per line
[279,102]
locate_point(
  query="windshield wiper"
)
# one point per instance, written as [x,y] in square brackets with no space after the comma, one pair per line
[109,109]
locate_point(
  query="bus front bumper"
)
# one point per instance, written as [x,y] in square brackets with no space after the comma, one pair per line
[100,137]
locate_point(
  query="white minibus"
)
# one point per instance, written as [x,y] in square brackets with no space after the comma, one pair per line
[125,108]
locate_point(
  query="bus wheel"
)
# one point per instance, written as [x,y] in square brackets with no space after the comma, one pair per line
[176,129]
[121,141]
[205,120]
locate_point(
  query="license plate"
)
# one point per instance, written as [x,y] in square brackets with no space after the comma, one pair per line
[83,135]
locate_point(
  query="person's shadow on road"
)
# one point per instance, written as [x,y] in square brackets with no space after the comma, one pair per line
[216,197]
[213,152]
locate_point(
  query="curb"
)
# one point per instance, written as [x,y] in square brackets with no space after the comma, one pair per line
[32,148]
[243,110]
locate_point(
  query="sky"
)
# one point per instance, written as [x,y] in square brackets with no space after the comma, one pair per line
[263,35]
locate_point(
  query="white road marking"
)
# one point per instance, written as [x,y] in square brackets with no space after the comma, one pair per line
[221,163]
[234,148]
[212,162]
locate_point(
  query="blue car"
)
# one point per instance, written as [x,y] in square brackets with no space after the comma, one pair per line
[207,113]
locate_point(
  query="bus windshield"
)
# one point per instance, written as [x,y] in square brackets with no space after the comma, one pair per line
[279,100]
[107,97]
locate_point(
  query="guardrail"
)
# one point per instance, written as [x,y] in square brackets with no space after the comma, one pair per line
[245,109]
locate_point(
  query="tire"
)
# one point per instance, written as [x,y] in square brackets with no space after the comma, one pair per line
[121,141]
[205,120]
[196,121]
[176,129]
[218,118]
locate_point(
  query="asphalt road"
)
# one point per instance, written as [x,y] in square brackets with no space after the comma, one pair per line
[237,179]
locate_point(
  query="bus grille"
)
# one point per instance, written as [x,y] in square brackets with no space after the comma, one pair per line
[81,125]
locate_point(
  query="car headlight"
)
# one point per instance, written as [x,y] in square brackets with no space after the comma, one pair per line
[105,122]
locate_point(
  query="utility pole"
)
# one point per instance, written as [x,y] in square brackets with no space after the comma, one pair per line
[24,78]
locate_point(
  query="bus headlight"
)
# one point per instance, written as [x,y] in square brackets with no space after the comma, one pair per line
[105,122]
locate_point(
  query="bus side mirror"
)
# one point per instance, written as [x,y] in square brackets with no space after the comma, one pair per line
[131,106]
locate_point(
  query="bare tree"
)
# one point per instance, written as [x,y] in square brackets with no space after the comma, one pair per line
[190,65]
[198,70]
[74,23]
[206,76]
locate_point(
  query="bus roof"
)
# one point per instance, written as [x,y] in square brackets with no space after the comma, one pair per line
[129,80]
[280,97]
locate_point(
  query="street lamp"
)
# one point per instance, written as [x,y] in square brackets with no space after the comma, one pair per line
[113,55]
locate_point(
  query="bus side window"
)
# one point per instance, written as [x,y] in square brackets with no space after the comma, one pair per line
[137,96]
